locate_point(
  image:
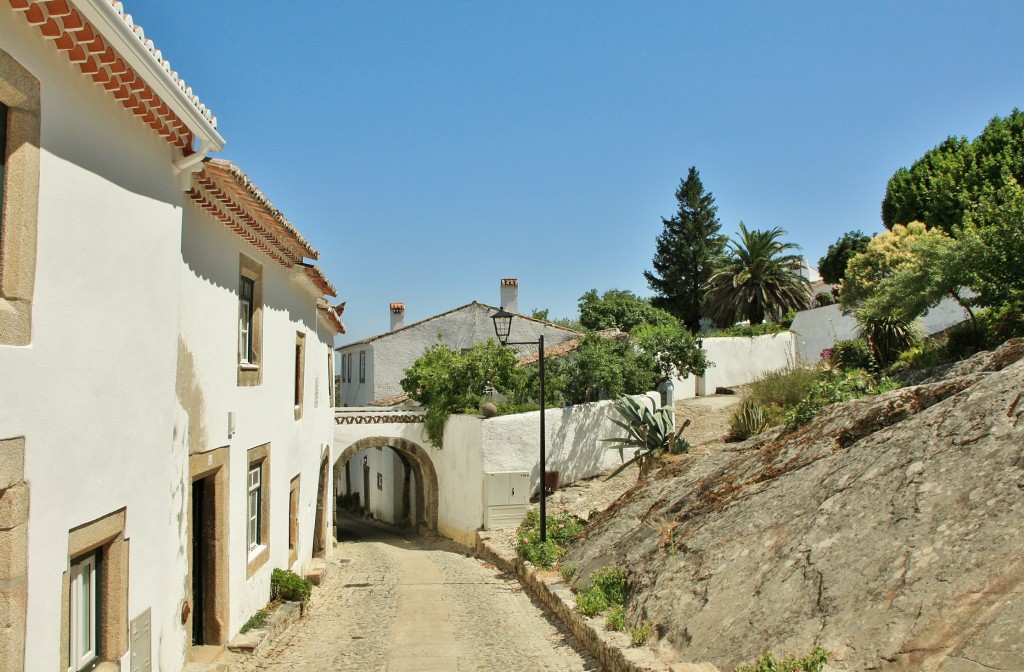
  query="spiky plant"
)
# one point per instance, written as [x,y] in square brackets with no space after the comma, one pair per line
[748,420]
[651,432]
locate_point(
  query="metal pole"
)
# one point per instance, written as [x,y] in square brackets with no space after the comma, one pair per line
[543,457]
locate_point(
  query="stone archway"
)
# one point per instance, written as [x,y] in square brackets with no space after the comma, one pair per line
[422,465]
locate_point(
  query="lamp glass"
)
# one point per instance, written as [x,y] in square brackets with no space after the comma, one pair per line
[502,325]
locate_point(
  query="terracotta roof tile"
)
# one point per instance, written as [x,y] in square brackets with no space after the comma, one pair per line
[393,400]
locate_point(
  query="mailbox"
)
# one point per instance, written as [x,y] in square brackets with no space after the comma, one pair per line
[506,494]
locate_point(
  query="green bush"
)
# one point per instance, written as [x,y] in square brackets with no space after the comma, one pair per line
[749,420]
[822,299]
[288,586]
[852,354]
[783,388]
[561,527]
[964,340]
[924,355]
[813,662]
[567,572]
[887,336]
[612,582]
[641,634]
[616,619]
[591,602]
[834,388]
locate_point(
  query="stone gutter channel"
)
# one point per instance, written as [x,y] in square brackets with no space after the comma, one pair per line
[612,649]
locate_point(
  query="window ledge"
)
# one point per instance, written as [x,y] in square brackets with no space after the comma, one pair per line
[247,366]
[255,552]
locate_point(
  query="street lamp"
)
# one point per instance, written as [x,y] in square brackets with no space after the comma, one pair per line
[502,329]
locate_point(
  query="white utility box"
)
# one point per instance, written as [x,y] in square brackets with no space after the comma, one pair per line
[506,494]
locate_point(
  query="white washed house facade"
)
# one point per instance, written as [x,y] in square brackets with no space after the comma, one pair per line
[119,358]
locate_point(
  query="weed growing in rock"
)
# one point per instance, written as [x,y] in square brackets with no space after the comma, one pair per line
[256,621]
[568,571]
[813,662]
[616,619]
[612,582]
[641,634]
[591,602]
[288,586]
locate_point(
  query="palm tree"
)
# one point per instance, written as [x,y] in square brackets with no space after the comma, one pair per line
[758,279]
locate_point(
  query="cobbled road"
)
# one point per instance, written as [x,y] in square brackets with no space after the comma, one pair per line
[402,602]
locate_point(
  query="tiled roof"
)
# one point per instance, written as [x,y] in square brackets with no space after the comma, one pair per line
[372,339]
[332,315]
[320,280]
[223,190]
[109,47]
[393,400]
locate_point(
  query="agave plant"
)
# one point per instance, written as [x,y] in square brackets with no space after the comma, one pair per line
[749,420]
[650,432]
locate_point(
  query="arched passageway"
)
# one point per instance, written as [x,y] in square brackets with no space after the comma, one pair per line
[416,462]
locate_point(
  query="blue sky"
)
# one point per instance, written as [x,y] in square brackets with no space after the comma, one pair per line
[429,149]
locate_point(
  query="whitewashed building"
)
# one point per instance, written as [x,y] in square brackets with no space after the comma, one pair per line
[372,369]
[165,359]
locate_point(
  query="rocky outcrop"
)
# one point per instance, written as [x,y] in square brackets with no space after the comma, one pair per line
[890,530]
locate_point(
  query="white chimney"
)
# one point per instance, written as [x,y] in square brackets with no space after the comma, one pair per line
[510,294]
[397,316]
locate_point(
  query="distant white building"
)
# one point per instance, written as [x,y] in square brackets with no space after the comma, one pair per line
[372,369]
[165,359]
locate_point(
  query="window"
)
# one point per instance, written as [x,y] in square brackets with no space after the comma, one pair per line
[245,292]
[300,352]
[362,366]
[330,377]
[257,509]
[94,594]
[250,322]
[349,358]
[255,500]
[83,611]
[19,198]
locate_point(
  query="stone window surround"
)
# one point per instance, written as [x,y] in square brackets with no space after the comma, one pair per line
[300,371]
[14,514]
[293,521]
[257,558]
[20,92]
[250,374]
[105,534]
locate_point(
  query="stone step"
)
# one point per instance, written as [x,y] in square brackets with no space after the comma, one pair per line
[316,571]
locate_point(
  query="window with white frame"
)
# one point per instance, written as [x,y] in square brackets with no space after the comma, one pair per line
[245,330]
[83,611]
[254,508]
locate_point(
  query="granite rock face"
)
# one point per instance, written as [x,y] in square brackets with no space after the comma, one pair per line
[890,530]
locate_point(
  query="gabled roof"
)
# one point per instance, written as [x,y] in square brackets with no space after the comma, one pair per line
[111,49]
[332,315]
[474,304]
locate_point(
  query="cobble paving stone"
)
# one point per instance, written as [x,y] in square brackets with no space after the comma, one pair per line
[483,619]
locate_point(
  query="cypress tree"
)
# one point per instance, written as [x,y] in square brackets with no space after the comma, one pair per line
[689,249]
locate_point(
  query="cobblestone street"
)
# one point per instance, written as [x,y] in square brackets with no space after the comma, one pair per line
[402,602]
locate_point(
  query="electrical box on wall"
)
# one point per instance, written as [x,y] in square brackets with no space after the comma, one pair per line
[506,494]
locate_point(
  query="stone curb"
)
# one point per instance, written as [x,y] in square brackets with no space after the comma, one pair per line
[612,649]
[254,641]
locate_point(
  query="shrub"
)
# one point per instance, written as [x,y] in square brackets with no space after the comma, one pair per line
[852,354]
[924,355]
[591,602]
[749,420]
[616,619]
[748,330]
[813,662]
[887,336]
[288,586]
[833,389]
[561,527]
[782,388]
[641,634]
[822,299]
[612,582]
[568,571]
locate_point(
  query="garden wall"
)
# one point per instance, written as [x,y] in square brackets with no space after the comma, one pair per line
[737,361]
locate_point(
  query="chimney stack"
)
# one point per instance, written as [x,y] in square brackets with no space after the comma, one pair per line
[510,294]
[397,316]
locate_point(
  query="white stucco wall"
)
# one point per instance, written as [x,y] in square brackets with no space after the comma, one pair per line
[393,353]
[740,360]
[820,328]
[265,413]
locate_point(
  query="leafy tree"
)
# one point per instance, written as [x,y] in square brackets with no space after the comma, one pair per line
[992,239]
[950,181]
[885,252]
[688,250]
[618,309]
[673,348]
[759,279]
[602,368]
[449,382]
[833,265]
